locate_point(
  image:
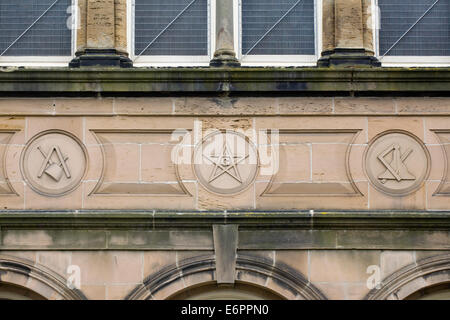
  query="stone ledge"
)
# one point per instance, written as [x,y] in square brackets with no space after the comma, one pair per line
[159,81]
[138,219]
[151,230]
[186,106]
[72,235]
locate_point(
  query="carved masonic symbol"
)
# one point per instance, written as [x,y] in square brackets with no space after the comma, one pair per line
[225,163]
[396,169]
[53,169]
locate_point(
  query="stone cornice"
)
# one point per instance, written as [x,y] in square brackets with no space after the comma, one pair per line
[134,230]
[168,81]
[136,219]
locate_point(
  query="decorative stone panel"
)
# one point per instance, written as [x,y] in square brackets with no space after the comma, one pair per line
[141,153]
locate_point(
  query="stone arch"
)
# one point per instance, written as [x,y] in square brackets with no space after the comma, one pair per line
[280,280]
[39,281]
[426,273]
[13,292]
[239,291]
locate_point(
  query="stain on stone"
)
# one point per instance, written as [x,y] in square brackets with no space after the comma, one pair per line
[227,123]
[286,286]
[291,86]
[432,275]
[223,102]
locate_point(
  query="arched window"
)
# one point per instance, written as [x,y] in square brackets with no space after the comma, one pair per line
[195,278]
[239,291]
[25,279]
[439,292]
[14,292]
[429,278]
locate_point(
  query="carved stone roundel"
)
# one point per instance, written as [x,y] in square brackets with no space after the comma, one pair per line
[397,163]
[54,162]
[225,162]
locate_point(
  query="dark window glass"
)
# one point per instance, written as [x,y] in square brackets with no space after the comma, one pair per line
[293,35]
[429,37]
[50,36]
[186,35]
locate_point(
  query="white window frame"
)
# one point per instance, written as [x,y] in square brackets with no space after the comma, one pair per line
[44,61]
[170,60]
[279,60]
[402,61]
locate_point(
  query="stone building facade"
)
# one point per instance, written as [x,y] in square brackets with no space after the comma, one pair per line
[120,180]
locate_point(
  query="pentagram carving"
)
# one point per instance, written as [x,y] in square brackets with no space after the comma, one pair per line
[225,162]
[53,162]
[397,162]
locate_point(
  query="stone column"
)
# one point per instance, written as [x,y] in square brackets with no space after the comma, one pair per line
[347,34]
[224,54]
[102,34]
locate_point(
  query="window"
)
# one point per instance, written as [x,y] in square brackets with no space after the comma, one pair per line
[36,32]
[171,32]
[414,32]
[281,32]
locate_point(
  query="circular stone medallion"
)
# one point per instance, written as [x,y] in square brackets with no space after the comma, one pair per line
[225,162]
[53,162]
[397,162]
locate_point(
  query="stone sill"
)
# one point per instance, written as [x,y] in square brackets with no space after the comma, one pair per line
[164,81]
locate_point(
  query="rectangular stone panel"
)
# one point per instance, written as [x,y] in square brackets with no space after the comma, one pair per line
[305,167]
[444,138]
[5,186]
[321,161]
[137,162]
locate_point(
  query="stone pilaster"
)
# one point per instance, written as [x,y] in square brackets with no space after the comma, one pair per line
[102,34]
[224,52]
[347,34]
[120,12]
[81,31]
